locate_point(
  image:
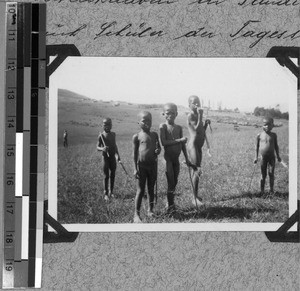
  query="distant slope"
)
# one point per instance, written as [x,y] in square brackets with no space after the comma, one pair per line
[69,95]
[82,117]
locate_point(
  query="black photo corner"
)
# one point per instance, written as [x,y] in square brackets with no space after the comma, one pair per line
[281,54]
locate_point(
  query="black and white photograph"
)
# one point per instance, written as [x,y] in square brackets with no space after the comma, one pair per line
[179,144]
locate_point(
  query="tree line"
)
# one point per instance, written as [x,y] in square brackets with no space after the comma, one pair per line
[274,113]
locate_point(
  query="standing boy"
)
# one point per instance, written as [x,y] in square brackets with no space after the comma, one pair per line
[197,138]
[266,144]
[173,141]
[107,144]
[65,137]
[146,147]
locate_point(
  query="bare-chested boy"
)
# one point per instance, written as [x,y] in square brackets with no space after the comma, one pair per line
[146,147]
[107,144]
[172,139]
[266,144]
[196,129]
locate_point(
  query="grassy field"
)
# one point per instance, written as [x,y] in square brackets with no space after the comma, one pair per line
[229,184]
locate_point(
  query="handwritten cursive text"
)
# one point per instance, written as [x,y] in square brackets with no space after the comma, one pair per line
[142,30]
[201,32]
[208,2]
[73,32]
[244,32]
[245,3]
[138,2]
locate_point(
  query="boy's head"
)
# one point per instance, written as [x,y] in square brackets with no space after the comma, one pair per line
[107,124]
[194,102]
[268,124]
[170,112]
[145,120]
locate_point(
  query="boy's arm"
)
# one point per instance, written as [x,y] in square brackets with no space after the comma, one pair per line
[208,146]
[188,163]
[276,147]
[118,155]
[167,142]
[100,146]
[157,145]
[185,154]
[207,123]
[206,139]
[116,149]
[199,121]
[135,143]
[257,148]
[183,148]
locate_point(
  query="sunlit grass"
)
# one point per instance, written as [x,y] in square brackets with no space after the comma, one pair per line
[229,184]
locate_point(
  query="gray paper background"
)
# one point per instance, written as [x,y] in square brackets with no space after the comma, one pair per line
[171,261]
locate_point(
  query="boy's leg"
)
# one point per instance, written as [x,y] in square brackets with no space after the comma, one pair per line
[106,177]
[195,157]
[141,182]
[195,180]
[113,167]
[176,167]
[263,167]
[151,179]
[170,198]
[171,183]
[196,176]
[271,174]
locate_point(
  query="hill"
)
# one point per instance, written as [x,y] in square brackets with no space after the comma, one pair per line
[67,95]
[82,117]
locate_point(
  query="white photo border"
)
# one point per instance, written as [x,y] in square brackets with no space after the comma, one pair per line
[152,227]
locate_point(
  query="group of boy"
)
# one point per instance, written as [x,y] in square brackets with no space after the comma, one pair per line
[146,148]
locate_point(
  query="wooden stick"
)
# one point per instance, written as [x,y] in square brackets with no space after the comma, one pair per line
[103,143]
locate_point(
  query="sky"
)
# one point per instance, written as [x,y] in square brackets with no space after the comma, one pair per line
[242,83]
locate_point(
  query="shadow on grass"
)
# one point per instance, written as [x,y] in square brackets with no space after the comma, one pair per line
[251,195]
[127,196]
[217,213]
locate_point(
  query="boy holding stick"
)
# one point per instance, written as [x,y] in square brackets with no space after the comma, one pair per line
[172,139]
[107,144]
[197,138]
[146,148]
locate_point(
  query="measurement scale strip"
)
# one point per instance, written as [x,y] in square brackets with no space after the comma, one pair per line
[26,129]
[33,149]
[10,141]
[24,144]
[37,142]
[21,218]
